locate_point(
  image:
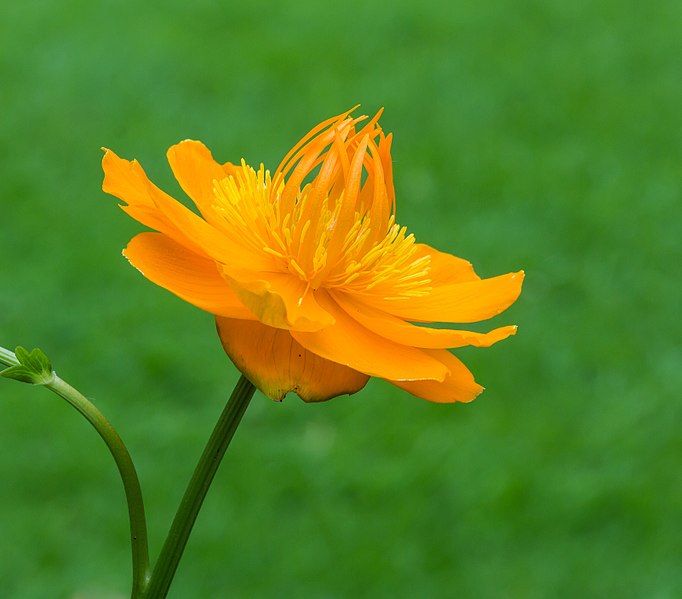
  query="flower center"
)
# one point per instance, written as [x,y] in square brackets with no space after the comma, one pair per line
[322,238]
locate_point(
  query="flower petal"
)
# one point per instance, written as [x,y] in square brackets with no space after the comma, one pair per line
[279,300]
[398,330]
[446,268]
[156,209]
[273,361]
[196,170]
[127,181]
[470,301]
[348,342]
[459,385]
[188,275]
[215,244]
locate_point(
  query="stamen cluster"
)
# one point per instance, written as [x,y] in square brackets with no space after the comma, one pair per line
[338,231]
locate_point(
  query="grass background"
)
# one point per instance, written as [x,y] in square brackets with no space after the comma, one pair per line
[543,135]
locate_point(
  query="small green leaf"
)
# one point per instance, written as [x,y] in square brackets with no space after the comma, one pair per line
[34,367]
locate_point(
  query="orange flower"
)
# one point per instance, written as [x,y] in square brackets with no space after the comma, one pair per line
[314,285]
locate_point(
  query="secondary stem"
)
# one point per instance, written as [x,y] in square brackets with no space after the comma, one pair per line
[124,463]
[131,483]
[173,548]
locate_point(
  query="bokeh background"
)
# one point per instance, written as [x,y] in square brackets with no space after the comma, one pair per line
[535,134]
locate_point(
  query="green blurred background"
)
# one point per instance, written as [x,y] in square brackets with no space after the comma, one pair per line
[544,135]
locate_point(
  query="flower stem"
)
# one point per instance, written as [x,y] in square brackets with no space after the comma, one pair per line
[131,483]
[126,468]
[173,548]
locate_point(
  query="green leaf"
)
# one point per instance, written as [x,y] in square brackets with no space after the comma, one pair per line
[34,367]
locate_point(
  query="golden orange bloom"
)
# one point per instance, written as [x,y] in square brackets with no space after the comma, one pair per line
[314,285]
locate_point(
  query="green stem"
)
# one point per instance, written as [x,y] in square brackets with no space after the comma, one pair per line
[131,483]
[126,468]
[172,550]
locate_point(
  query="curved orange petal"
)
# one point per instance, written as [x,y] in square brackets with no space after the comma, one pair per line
[470,301]
[156,209]
[191,277]
[215,244]
[127,181]
[403,332]
[348,342]
[279,299]
[446,268]
[459,385]
[195,170]
[273,361]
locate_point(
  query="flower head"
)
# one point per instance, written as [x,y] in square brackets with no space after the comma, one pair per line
[314,285]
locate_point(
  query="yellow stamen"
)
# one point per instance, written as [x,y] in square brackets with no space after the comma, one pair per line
[335,232]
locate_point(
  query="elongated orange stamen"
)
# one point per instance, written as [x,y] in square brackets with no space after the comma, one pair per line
[349,242]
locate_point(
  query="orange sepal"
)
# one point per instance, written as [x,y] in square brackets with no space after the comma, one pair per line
[445,268]
[275,363]
[469,301]
[459,384]
[153,207]
[279,300]
[126,180]
[189,276]
[348,342]
[396,329]
[196,171]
